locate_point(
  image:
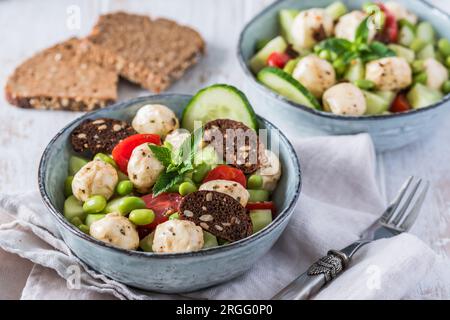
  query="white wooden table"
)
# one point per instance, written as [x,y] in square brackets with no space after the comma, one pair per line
[27,26]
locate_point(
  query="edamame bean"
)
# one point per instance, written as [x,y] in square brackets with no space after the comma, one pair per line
[128,204]
[91,218]
[186,188]
[254,182]
[141,217]
[325,54]
[339,66]
[174,216]
[421,78]
[258,195]
[200,172]
[446,87]
[364,84]
[444,47]
[417,44]
[418,66]
[76,221]
[447,62]
[73,208]
[68,186]
[124,187]
[105,158]
[84,228]
[94,204]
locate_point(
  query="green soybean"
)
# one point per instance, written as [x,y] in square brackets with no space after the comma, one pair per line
[200,172]
[76,221]
[105,158]
[447,62]
[418,66]
[124,187]
[187,188]
[84,228]
[254,182]
[446,87]
[364,84]
[258,195]
[339,66]
[91,218]
[125,205]
[417,44]
[421,78]
[174,216]
[68,186]
[75,164]
[94,204]
[325,54]
[444,47]
[147,242]
[73,208]
[141,217]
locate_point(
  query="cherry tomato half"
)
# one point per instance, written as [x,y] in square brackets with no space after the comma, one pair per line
[390,26]
[163,206]
[122,151]
[224,172]
[400,104]
[278,59]
[267,205]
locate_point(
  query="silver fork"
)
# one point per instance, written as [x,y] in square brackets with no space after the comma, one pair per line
[399,217]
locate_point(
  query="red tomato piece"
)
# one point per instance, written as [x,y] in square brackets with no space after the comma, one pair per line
[267,205]
[163,206]
[224,172]
[400,104]
[390,26]
[278,59]
[122,151]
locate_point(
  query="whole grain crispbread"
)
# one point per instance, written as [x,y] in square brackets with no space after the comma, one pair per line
[66,76]
[151,53]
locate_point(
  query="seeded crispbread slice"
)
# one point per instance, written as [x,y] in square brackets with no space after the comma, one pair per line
[151,53]
[99,135]
[66,76]
[237,144]
[217,213]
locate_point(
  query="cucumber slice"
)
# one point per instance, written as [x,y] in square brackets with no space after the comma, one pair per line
[426,52]
[259,60]
[209,240]
[285,19]
[425,32]
[219,101]
[260,219]
[258,195]
[336,10]
[91,218]
[375,104]
[147,242]
[73,208]
[403,52]
[290,65]
[283,84]
[388,96]
[356,71]
[406,36]
[75,164]
[422,96]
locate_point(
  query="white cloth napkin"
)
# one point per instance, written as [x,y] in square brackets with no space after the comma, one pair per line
[339,199]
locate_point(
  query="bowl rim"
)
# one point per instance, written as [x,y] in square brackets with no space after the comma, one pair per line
[248,73]
[283,215]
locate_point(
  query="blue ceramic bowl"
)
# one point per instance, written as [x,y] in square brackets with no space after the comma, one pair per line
[168,273]
[387,131]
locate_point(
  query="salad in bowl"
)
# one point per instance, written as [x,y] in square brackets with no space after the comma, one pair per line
[378,59]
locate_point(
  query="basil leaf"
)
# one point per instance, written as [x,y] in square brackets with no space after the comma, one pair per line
[165,181]
[337,45]
[163,154]
[362,32]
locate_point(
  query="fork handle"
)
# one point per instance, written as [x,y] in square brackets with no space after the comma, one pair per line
[318,275]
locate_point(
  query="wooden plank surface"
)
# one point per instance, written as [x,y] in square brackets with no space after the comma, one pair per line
[25,133]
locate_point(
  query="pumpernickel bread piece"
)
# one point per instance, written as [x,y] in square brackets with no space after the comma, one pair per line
[151,53]
[217,213]
[99,135]
[67,76]
[237,144]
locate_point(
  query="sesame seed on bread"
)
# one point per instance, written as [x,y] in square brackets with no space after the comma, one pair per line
[66,76]
[150,52]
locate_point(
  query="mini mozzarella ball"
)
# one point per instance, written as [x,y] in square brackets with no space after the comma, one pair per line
[176,235]
[348,24]
[95,178]
[310,27]
[177,137]
[400,12]
[316,74]
[270,170]
[437,74]
[392,73]
[156,119]
[345,99]
[143,168]
[231,188]
[115,230]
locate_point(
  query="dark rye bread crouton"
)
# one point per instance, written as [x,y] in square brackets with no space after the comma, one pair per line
[151,53]
[66,76]
[99,135]
[237,144]
[217,213]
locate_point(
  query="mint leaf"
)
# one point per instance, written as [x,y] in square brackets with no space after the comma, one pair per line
[163,154]
[166,181]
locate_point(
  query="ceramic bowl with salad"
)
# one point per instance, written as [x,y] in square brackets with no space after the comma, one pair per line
[353,66]
[171,193]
